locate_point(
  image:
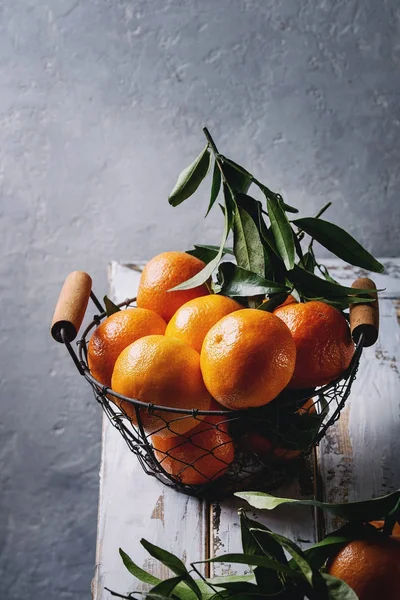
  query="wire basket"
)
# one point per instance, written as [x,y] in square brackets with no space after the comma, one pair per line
[255,448]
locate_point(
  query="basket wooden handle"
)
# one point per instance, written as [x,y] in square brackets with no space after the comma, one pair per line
[71,305]
[364,318]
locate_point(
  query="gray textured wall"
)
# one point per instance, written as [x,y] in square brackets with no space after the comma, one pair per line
[101,105]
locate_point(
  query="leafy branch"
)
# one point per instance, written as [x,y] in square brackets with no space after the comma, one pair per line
[266,243]
[301,576]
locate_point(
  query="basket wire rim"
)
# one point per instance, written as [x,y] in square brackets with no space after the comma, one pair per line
[82,354]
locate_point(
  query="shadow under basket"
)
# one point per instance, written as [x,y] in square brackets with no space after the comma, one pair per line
[256,449]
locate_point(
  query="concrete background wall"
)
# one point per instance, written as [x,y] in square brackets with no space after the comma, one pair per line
[101,105]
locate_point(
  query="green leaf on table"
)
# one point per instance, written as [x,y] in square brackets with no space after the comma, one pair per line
[165,587]
[208,270]
[136,571]
[166,558]
[247,245]
[296,552]
[190,178]
[250,539]
[207,253]
[215,186]
[256,561]
[262,545]
[172,562]
[236,281]
[368,510]
[338,241]
[338,589]
[230,579]
[111,308]
[282,232]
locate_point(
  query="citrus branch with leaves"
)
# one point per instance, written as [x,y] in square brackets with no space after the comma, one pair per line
[269,258]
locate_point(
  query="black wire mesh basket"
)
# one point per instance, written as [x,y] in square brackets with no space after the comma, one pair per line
[216,452]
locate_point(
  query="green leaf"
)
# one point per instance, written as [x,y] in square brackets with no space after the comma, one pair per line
[252,542]
[288,208]
[282,232]
[241,587]
[172,562]
[190,178]
[309,261]
[215,186]
[312,286]
[338,589]
[166,558]
[254,208]
[296,552]
[253,560]
[368,510]
[325,272]
[207,253]
[273,302]
[338,241]
[166,587]
[111,308]
[238,178]
[217,581]
[136,571]
[247,245]
[262,545]
[342,302]
[236,281]
[206,273]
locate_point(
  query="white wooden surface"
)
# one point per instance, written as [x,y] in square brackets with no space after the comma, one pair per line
[357,459]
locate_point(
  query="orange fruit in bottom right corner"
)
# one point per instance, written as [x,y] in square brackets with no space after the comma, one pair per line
[323,342]
[371,567]
[247,359]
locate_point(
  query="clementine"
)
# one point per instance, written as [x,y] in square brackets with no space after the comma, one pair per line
[165,372]
[114,334]
[201,455]
[247,358]
[162,273]
[323,342]
[194,319]
[371,567]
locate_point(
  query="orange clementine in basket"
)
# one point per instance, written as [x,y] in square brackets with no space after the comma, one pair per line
[114,334]
[194,319]
[323,342]
[247,358]
[257,440]
[165,372]
[164,272]
[371,567]
[201,455]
